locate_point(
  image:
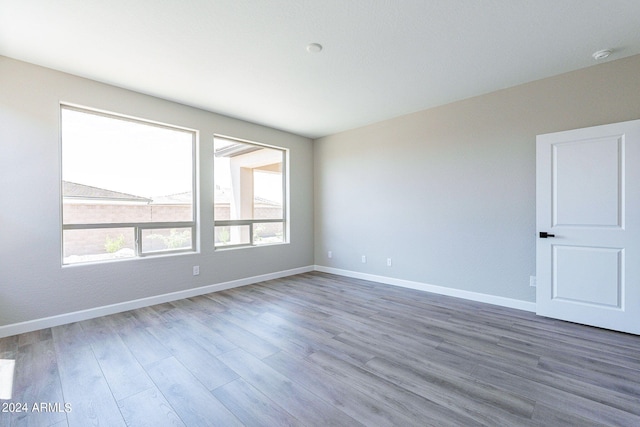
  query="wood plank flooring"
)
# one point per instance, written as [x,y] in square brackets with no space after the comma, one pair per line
[317,349]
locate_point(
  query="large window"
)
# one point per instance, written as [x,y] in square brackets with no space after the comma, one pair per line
[250,193]
[127,187]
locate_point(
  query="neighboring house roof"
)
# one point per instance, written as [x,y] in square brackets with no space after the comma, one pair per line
[223,197]
[185,198]
[72,190]
[263,201]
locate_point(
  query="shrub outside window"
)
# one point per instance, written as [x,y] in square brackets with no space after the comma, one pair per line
[128,187]
[250,193]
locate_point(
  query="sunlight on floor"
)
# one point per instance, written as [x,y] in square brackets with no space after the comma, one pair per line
[6,378]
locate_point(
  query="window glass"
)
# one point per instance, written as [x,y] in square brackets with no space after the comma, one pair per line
[118,176]
[249,199]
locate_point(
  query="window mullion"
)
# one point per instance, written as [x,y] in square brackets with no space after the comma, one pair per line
[138,241]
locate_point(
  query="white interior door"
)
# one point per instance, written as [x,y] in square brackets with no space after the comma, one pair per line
[588,203]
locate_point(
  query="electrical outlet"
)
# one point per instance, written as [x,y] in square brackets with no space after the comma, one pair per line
[196,270]
[388,262]
[532,281]
[329,254]
[364,259]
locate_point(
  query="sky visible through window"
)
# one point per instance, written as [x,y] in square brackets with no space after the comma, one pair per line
[125,156]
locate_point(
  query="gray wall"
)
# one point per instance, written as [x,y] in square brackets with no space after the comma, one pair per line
[33,284]
[449,192]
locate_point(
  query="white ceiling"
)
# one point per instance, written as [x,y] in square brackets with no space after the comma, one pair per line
[381,58]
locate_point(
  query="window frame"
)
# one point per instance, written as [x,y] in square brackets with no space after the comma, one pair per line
[138,227]
[284,220]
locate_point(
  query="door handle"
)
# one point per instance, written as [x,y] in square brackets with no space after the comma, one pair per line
[544,235]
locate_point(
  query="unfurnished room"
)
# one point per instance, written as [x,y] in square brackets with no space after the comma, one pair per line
[310,213]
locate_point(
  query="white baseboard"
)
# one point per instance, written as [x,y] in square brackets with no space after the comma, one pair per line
[442,290]
[76,316]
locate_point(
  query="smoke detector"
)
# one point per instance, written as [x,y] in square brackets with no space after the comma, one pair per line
[602,54]
[314,47]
